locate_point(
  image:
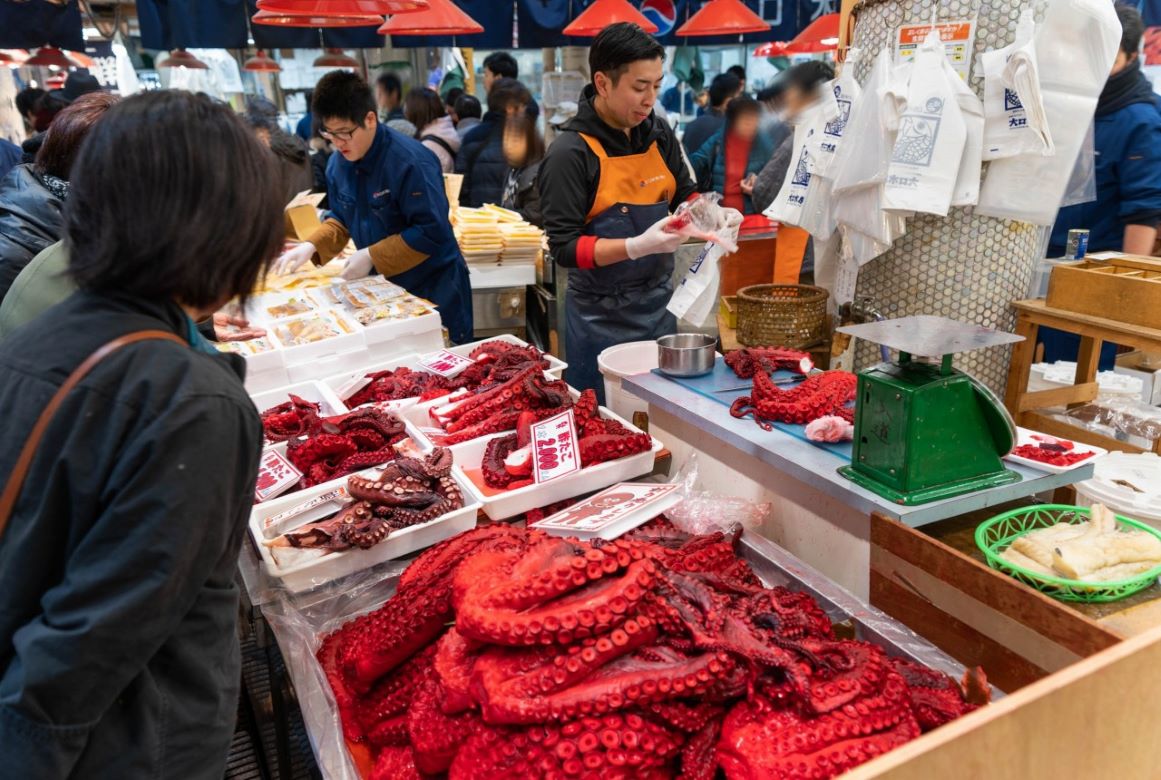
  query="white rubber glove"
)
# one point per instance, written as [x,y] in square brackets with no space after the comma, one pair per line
[654,241]
[358,265]
[293,259]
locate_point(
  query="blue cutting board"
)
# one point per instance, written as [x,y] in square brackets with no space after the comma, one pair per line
[723,386]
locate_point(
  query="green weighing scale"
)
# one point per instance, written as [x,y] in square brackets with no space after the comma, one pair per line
[925,431]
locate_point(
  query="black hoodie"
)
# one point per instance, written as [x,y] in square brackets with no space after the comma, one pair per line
[570,172]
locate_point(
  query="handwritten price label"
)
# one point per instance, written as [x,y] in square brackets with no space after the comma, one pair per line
[445,363]
[276,475]
[554,448]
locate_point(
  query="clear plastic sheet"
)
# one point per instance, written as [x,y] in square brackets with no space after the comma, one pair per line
[702,512]
[706,219]
[1125,419]
[1081,187]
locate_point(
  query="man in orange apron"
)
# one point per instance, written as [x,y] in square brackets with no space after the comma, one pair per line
[607,187]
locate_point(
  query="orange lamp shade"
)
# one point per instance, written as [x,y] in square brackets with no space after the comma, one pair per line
[335,58]
[602,13]
[180,58]
[441,17]
[340,7]
[51,57]
[261,63]
[316,20]
[820,35]
[723,17]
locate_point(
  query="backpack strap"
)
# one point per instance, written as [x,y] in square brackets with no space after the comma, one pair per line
[441,142]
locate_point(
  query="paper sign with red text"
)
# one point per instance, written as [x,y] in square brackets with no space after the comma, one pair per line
[276,475]
[445,363]
[613,511]
[554,448]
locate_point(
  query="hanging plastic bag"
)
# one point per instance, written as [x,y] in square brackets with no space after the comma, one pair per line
[864,158]
[967,180]
[1081,186]
[704,217]
[1075,48]
[1014,122]
[695,299]
[930,141]
[787,206]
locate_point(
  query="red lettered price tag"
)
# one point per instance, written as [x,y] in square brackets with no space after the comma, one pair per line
[445,363]
[276,475]
[554,448]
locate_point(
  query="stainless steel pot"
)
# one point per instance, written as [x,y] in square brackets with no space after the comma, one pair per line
[686,354]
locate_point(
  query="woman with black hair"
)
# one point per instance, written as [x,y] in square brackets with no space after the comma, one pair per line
[730,159]
[129,454]
[523,150]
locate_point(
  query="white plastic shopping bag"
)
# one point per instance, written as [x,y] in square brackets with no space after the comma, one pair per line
[1075,48]
[864,158]
[967,180]
[930,140]
[695,299]
[1015,122]
[787,206]
[818,216]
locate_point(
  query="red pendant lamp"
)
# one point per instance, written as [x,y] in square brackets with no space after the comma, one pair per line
[261,63]
[441,17]
[51,57]
[341,7]
[335,58]
[723,17]
[771,49]
[180,58]
[330,20]
[602,13]
[13,58]
[820,35]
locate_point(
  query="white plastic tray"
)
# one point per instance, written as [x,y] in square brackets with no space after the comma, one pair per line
[301,570]
[1024,436]
[263,381]
[317,392]
[510,503]
[297,355]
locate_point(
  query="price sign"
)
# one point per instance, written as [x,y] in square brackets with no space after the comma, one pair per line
[276,475]
[554,449]
[445,363]
[957,37]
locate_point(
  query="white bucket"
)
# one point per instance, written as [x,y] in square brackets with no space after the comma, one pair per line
[616,363]
[1110,485]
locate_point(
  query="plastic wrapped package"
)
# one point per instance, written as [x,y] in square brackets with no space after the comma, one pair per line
[696,299]
[705,218]
[1075,47]
[1123,418]
[702,512]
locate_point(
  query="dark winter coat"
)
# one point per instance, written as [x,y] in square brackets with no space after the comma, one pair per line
[709,164]
[522,194]
[118,651]
[482,163]
[30,219]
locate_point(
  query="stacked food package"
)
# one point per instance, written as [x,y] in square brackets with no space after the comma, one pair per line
[494,235]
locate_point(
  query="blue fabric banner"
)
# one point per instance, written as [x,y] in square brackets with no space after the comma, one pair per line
[39,23]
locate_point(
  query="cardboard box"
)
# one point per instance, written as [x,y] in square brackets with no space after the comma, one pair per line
[302,215]
[1134,364]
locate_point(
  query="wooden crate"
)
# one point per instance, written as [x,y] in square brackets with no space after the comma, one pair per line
[1124,287]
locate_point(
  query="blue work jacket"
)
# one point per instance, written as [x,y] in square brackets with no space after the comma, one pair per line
[397,189]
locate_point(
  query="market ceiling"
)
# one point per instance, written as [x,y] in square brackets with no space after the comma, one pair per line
[224,24]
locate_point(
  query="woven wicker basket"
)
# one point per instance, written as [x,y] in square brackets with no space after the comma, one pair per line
[781,315]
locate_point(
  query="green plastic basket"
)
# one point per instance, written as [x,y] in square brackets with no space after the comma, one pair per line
[994,535]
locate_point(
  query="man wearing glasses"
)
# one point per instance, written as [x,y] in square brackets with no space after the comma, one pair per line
[386,193]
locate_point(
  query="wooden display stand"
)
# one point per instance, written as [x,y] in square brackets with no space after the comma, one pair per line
[1093,331]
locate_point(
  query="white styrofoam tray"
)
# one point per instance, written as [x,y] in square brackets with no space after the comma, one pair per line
[390,330]
[510,503]
[1024,436]
[336,382]
[303,569]
[263,381]
[317,392]
[349,340]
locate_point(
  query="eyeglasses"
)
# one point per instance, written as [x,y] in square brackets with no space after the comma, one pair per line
[338,135]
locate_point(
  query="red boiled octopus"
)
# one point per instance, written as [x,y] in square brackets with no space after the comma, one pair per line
[499,408]
[746,362]
[507,463]
[494,362]
[506,653]
[344,444]
[816,396]
[296,417]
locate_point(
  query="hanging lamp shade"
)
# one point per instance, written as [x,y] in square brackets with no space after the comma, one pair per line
[51,57]
[180,58]
[771,49]
[602,13]
[723,17]
[341,7]
[820,35]
[261,63]
[317,20]
[335,58]
[55,82]
[441,17]
[13,58]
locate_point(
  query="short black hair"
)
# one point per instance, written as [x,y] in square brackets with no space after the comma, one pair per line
[738,71]
[772,92]
[807,76]
[722,88]
[468,106]
[26,99]
[129,229]
[620,45]
[502,64]
[1132,28]
[453,95]
[740,106]
[507,92]
[390,83]
[342,95]
[63,139]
